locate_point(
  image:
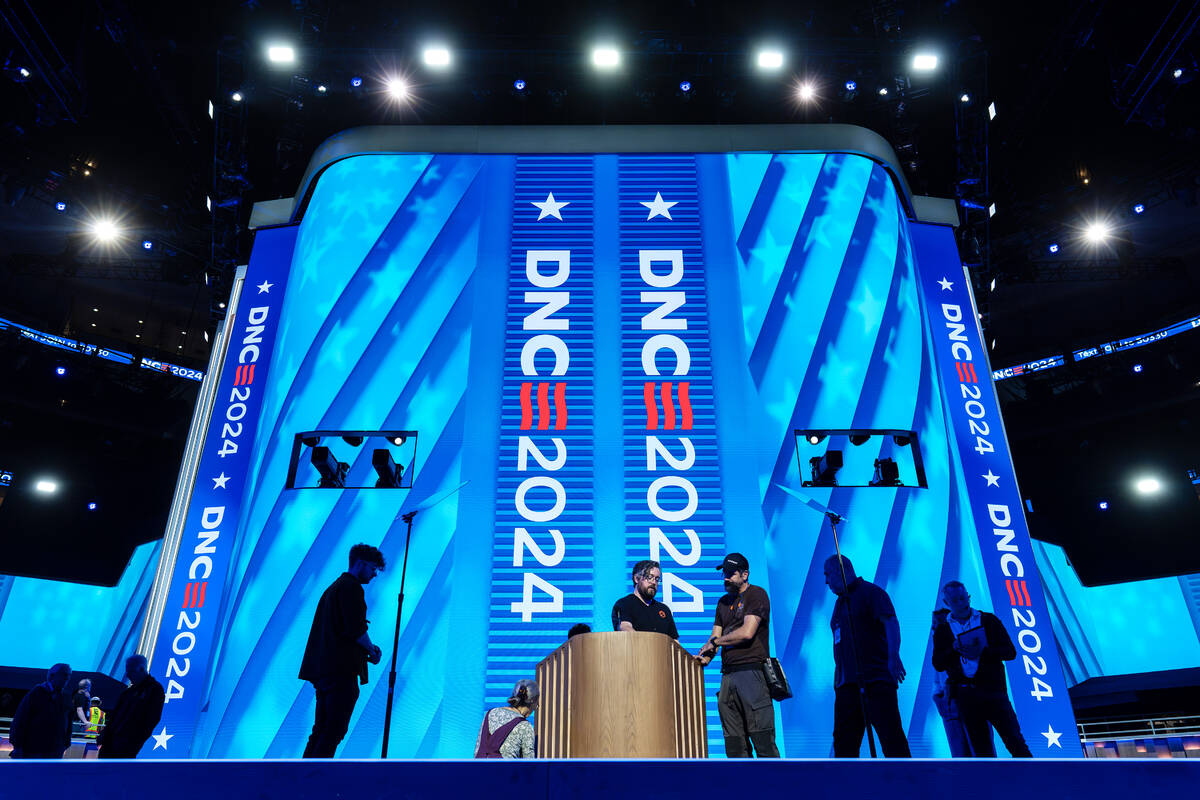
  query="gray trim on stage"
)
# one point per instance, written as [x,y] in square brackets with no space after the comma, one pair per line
[501,139]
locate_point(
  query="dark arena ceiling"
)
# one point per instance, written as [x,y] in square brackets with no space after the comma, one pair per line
[107,111]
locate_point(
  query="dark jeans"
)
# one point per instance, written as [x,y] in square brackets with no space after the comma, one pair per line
[335,703]
[848,727]
[979,708]
[747,714]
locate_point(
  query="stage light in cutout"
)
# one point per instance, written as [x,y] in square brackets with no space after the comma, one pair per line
[964,98]
[1104,505]
[105,230]
[685,86]
[605,57]
[436,56]
[883,91]
[390,473]
[398,440]
[519,85]
[46,486]
[1148,485]
[281,54]
[1053,248]
[815,438]
[1097,232]
[397,89]
[924,62]
[1139,209]
[806,92]
[236,97]
[769,59]
[1137,369]
[60,371]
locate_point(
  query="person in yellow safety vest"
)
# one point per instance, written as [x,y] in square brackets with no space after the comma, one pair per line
[95,719]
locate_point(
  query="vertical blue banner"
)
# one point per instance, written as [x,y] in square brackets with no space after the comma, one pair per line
[543,549]
[673,504]
[977,438]
[188,631]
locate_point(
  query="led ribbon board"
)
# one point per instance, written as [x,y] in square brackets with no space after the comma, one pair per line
[614,351]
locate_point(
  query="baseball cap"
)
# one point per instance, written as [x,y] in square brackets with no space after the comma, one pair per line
[734,562]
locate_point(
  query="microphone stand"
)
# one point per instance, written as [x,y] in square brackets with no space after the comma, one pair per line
[387,719]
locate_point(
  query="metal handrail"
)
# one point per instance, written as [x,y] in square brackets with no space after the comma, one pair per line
[1138,728]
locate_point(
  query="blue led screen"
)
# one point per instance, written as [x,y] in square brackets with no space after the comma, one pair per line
[614,351]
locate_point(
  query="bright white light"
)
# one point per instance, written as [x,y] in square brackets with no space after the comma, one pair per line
[1177,74]
[281,54]
[806,92]
[208,202]
[105,230]
[992,210]
[436,56]
[46,487]
[770,59]
[236,97]
[991,111]
[1148,485]
[883,91]
[605,57]
[397,88]
[210,109]
[322,88]
[25,73]
[925,62]
[1097,232]
[964,98]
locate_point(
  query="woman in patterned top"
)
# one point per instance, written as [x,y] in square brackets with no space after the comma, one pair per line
[506,732]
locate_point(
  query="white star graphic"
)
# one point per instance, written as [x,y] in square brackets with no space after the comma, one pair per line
[991,478]
[945,284]
[161,738]
[1052,737]
[659,207]
[220,481]
[551,207]
[262,289]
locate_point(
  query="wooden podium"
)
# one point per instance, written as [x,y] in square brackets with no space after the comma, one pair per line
[621,694]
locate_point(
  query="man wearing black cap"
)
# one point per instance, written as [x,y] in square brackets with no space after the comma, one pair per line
[742,631]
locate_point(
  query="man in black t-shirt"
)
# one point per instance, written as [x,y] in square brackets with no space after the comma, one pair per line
[81,705]
[338,649]
[866,680]
[639,611]
[741,629]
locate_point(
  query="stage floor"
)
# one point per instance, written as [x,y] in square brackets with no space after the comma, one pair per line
[1094,779]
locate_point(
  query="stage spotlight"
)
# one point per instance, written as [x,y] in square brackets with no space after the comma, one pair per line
[236,97]
[60,206]
[1097,232]
[769,59]
[333,472]
[859,438]
[389,472]
[398,440]
[685,86]
[281,54]
[220,305]
[1137,369]
[353,441]
[992,285]
[887,473]
[104,230]
[1104,505]
[816,438]
[311,441]
[883,91]
[991,111]
[147,244]
[25,73]
[1148,485]
[1177,74]
[1053,248]
[851,86]
[356,82]
[46,486]
[397,88]
[806,92]
[824,468]
[436,56]
[1139,209]
[519,85]
[902,441]
[992,210]
[924,62]
[91,506]
[60,371]
[322,89]
[605,57]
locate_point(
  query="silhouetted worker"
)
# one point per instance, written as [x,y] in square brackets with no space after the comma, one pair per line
[868,676]
[742,630]
[338,649]
[972,646]
[41,726]
[639,611]
[956,734]
[139,708]
[81,703]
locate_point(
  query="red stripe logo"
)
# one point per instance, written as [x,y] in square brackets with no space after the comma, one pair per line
[667,394]
[193,595]
[543,406]
[966,372]
[244,375]
[1018,593]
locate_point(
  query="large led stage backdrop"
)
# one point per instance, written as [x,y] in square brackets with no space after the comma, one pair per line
[617,350]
